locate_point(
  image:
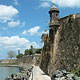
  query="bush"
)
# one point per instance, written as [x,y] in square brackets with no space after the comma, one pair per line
[19,55]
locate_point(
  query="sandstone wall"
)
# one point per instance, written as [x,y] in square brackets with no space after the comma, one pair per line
[7,61]
[28,60]
[66,46]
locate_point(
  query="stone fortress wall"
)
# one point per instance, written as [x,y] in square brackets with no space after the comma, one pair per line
[25,60]
[61,49]
[29,59]
[7,61]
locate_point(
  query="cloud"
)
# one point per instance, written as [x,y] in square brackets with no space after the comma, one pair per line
[45,32]
[44,4]
[32,31]
[35,31]
[23,24]
[16,2]
[7,13]
[14,23]
[15,42]
[24,32]
[35,45]
[65,3]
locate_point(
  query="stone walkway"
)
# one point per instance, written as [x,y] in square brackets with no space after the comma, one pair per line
[38,74]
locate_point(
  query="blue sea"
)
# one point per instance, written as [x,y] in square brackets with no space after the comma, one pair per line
[7,71]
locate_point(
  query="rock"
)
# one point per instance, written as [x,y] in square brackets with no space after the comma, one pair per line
[70,78]
[12,76]
[70,75]
[59,75]
[76,78]
[62,78]
[64,75]
[56,74]
[64,71]
[24,74]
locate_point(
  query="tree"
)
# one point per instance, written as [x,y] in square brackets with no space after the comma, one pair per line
[38,51]
[19,55]
[30,52]
[42,36]
[31,47]
[11,54]
[26,52]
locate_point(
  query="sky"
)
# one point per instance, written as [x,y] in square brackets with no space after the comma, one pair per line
[22,22]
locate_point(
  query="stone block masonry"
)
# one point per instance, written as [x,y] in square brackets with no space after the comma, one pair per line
[29,59]
[62,48]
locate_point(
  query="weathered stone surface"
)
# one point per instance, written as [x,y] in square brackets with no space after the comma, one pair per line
[29,59]
[67,46]
[64,50]
[59,75]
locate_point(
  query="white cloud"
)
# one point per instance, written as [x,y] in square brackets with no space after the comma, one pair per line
[14,23]
[32,31]
[44,4]
[12,40]
[35,31]
[23,24]
[24,32]
[45,32]
[16,2]
[7,13]
[65,3]
[15,42]
[35,45]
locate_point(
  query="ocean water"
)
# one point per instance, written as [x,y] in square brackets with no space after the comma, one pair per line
[7,71]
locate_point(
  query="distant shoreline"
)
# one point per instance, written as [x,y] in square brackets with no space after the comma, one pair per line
[9,66]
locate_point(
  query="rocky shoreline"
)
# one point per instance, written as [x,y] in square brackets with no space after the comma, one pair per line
[9,66]
[64,75]
[24,74]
